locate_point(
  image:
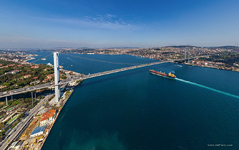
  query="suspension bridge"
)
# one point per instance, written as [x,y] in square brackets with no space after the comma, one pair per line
[79,77]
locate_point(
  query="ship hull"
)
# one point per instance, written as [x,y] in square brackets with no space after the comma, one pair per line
[161,74]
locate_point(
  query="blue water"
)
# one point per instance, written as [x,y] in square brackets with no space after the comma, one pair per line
[135,110]
[74,63]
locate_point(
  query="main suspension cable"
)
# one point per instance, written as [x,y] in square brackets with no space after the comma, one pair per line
[102,60]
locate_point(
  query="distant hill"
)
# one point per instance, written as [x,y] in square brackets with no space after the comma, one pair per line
[84,48]
[121,47]
[11,51]
[182,46]
[212,47]
[227,47]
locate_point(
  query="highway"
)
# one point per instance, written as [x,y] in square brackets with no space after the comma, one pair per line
[20,127]
[51,84]
[31,88]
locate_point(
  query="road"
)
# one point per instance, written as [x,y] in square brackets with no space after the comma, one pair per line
[31,88]
[14,133]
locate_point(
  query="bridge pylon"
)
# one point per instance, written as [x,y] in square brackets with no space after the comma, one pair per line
[57,76]
[6,101]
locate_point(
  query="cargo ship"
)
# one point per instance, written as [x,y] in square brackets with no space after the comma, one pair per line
[169,75]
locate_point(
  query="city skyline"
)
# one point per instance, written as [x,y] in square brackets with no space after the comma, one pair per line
[50,24]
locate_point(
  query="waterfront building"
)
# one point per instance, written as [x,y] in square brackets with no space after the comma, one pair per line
[39,130]
[48,117]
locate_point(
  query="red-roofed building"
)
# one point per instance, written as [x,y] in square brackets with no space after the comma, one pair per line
[50,76]
[48,117]
[46,69]
[36,66]
[11,65]
[45,80]
[15,71]
[2,87]
[35,78]
[27,76]
[0,65]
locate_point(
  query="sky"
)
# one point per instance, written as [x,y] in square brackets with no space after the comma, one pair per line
[118,23]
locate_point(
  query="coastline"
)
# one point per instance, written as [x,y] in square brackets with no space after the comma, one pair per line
[59,111]
[207,67]
[162,60]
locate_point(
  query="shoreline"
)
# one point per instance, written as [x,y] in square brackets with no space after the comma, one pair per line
[59,111]
[207,67]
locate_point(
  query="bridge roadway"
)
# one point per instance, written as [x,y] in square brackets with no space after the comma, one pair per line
[122,69]
[51,84]
[31,88]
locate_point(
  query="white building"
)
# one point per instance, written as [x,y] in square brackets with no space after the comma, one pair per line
[48,117]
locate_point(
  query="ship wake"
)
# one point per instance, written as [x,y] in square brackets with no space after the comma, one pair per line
[209,88]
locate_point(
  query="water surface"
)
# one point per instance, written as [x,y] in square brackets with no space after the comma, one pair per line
[135,110]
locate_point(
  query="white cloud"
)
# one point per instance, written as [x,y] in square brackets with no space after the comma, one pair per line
[100,22]
[29,42]
[110,16]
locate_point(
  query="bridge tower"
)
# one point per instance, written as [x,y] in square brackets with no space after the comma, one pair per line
[185,55]
[188,54]
[57,76]
[6,101]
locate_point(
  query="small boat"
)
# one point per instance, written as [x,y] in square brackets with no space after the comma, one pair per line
[43,59]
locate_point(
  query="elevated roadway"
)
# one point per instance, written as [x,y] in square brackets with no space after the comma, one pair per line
[30,88]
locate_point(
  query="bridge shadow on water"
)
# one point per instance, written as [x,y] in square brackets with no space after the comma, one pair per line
[109,78]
